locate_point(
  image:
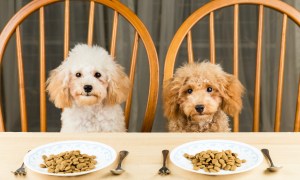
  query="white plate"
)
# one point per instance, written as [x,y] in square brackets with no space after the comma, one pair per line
[105,155]
[252,155]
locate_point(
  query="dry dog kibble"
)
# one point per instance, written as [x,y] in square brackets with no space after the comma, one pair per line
[68,162]
[214,161]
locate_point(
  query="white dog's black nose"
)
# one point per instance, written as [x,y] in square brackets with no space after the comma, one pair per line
[199,108]
[88,88]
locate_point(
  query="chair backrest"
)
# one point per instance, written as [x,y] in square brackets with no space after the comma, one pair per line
[141,33]
[184,31]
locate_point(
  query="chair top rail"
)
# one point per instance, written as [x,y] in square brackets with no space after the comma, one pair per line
[280,6]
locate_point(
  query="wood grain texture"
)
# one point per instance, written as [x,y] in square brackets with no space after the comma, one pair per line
[145,156]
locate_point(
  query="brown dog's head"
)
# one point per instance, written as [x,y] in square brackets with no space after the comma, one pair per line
[197,91]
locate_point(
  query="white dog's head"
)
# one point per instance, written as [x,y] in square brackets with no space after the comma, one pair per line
[88,76]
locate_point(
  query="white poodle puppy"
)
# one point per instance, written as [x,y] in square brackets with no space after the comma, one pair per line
[89,85]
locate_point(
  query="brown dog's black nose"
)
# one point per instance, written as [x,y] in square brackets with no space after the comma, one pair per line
[199,108]
[88,88]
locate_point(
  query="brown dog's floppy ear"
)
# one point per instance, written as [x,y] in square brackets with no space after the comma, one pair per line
[171,89]
[58,87]
[232,95]
[118,86]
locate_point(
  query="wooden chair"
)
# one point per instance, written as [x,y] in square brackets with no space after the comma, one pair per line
[184,31]
[141,33]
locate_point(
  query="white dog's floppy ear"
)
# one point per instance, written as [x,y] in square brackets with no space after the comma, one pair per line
[232,95]
[58,86]
[171,90]
[118,86]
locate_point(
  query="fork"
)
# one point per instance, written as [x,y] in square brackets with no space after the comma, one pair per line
[164,170]
[20,171]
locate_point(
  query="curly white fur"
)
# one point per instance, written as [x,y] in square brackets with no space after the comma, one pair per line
[89,85]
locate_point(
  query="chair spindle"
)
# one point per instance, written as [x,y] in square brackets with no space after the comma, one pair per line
[212,38]
[21,81]
[297,118]
[131,77]
[67,28]
[91,24]
[190,47]
[114,34]
[280,75]
[258,71]
[2,126]
[43,121]
[236,57]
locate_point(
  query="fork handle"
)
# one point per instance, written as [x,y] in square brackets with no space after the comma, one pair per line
[267,154]
[165,155]
[22,166]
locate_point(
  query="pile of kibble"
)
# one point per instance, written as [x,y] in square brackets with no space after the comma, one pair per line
[214,161]
[68,162]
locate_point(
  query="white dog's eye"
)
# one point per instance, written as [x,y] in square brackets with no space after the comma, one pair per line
[189,91]
[78,74]
[209,89]
[97,75]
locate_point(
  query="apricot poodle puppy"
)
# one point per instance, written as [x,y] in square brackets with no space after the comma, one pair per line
[198,98]
[89,85]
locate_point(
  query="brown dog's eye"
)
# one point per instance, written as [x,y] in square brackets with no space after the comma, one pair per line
[209,89]
[97,75]
[189,91]
[78,74]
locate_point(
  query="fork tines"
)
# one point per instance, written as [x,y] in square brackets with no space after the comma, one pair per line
[20,171]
